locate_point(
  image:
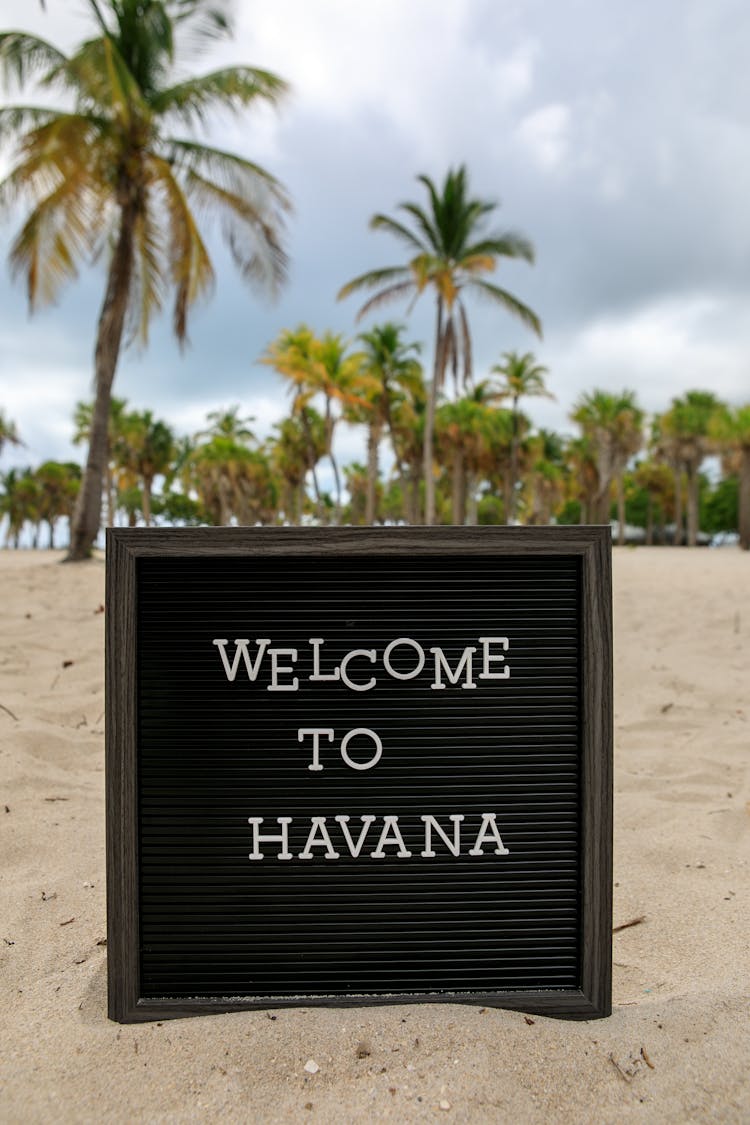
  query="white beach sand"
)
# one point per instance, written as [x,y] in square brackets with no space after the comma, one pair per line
[676,1049]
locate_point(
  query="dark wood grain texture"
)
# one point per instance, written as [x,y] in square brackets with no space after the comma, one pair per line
[125,546]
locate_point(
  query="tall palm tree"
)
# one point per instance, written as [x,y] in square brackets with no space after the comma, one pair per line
[614,425]
[522,377]
[449,253]
[686,430]
[731,430]
[109,174]
[390,370]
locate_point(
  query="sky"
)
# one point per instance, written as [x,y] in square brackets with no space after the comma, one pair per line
[615,136]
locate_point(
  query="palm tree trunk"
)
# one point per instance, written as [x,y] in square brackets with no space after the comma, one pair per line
[677,468]
[649,521]
[429,420]
[313,460]
[373,442]
[87,514]
[510,513]
[743,514]
[620,510]
[110,489]
[458,489]
[146,502]
[472,504]
[692,504]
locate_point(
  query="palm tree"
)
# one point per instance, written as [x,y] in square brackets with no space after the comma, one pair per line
[686,431]
[58,483]
[227,423]
[731,429]
[658,482]
[83,417]
[583,476]
[407,435]
[449,254]
[289,456]
[108,174]
[318,366]
[546,476]
[522,377]
[19,502]
[8,432]
[145,448]
[391,370]
[614,425]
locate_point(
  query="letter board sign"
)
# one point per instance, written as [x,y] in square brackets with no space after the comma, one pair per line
[358,766]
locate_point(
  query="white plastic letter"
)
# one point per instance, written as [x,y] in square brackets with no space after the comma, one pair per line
[355,849]
[316,733]
[454,677]
[403,675]
[378,749]
[371,656]
[318,838]
[391,834]
[487,828]
[275,653]
[488,656]
[241,651]
[429,823]
[317,675]
[280,838]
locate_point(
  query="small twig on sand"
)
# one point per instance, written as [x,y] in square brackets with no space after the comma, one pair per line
[646,1059]
[8,711]
[57,798]
[623,1074]
[626,925]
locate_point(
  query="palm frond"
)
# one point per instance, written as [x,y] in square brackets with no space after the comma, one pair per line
[466,342]
[231,171]
[23,55]
[58,149]
[148,284]
[385,222]
[251,230]
[16,119]
[517,308]
[506,245]
[232,88]
[209,20]
[392,293]
[428,228]
[373,278]
[190,267]
[57,234]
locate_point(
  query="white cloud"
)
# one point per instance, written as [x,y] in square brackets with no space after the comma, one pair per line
[545,135]
[660,350]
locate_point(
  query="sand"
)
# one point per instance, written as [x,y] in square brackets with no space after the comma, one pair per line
[677,1046]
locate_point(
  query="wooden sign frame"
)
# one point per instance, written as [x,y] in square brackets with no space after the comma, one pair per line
[590,545]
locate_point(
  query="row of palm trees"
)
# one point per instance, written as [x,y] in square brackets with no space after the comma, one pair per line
[112,173]
[489,464]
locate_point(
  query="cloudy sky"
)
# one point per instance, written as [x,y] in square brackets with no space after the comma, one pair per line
[616,136]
